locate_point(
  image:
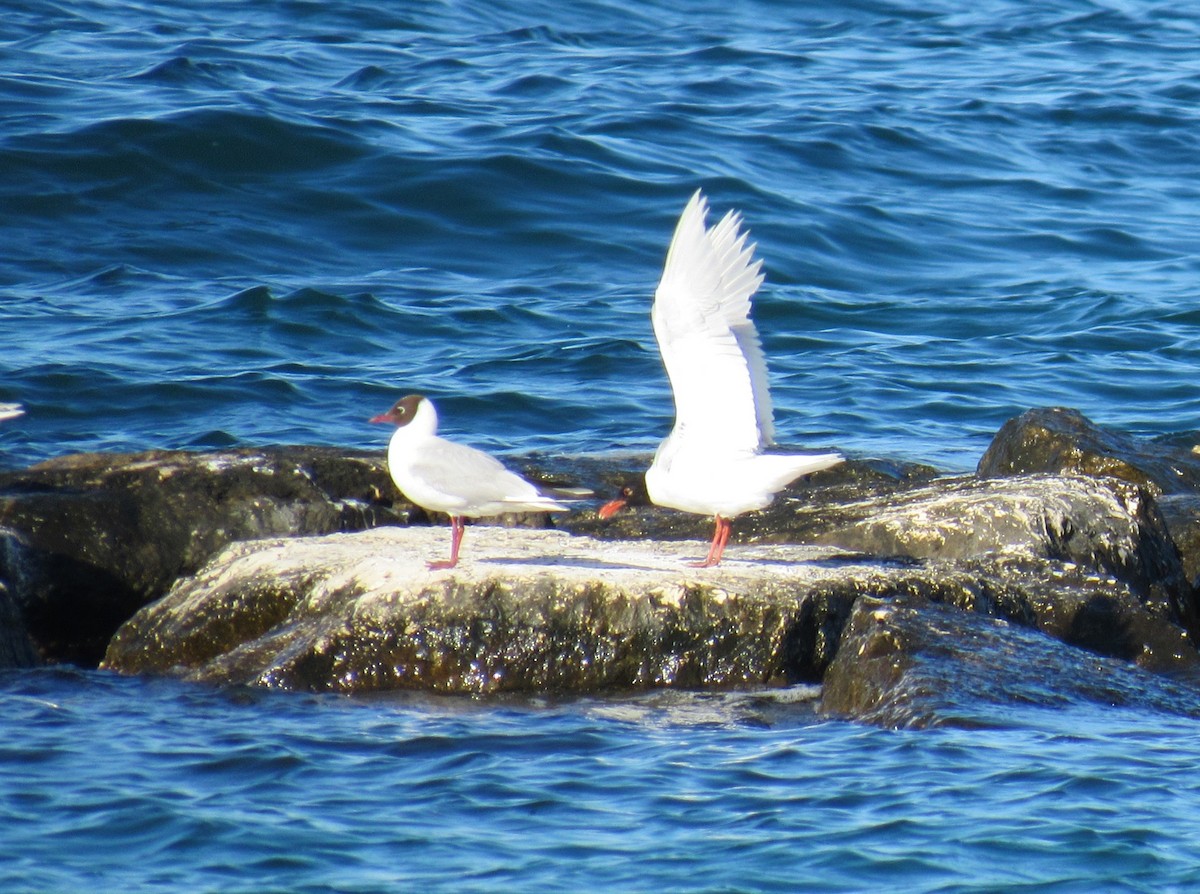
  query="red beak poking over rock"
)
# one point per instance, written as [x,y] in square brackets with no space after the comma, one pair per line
[612,507]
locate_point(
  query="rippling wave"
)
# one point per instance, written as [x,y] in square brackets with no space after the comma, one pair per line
[175,787]
[232,225]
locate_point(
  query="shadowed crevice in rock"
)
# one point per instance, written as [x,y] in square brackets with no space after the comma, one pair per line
[1181,514]
[16,646]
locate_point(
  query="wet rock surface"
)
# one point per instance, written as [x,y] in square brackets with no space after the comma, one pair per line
[546,611]
[1088,546]
[527,610]
[87,539]
[16,645]
[1060,440]
[910,663]
[1181,514]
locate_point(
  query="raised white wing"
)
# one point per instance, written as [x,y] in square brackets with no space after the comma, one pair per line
[708,342]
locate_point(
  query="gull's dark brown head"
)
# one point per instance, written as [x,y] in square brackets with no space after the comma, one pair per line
[402,412]
[628,494]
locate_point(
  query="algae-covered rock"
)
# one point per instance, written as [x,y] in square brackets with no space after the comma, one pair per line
[1106,526]
[91,540]
[1098,522]
[1064,441]
[88,539]
[527,610]
[1102,524]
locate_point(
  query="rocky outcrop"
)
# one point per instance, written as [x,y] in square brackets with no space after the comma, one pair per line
[528,611]
[911,663]
[1064,441]
[1043,528]
[545,611]
[86,540]
[303,568]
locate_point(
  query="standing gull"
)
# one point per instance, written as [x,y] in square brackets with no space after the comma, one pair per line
[441,476]
[713,463]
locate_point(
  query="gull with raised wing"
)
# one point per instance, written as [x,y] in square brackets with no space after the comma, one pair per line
[442,476]
[713,463]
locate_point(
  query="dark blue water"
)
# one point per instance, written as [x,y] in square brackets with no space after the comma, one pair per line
[122,785]
[260,222]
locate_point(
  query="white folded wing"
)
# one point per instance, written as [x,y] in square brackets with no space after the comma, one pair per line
[461,480]
[708,343]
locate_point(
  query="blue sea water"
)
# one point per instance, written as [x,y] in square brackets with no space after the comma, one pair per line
[259,222]
[116,784]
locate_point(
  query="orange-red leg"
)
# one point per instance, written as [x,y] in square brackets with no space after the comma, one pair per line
[717,548]
[456,536]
